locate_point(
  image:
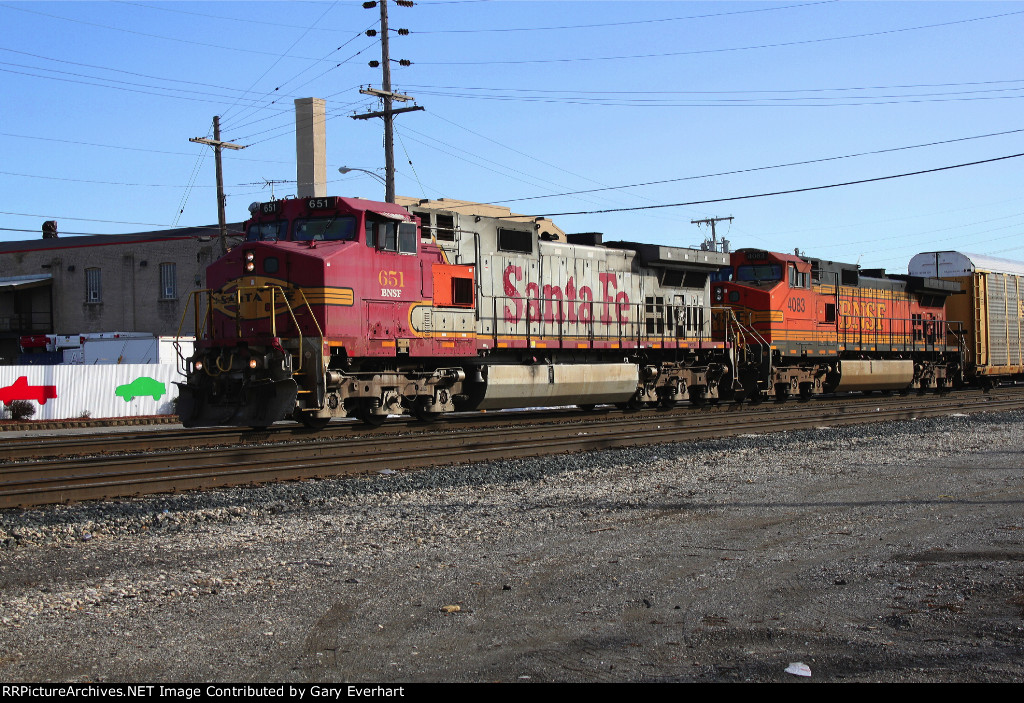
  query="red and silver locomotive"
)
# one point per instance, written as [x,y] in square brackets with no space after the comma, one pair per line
[336,307]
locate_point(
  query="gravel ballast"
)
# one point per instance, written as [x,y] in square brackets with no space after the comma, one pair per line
[875,553]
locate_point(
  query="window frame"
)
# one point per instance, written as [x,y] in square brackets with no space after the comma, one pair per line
[168,274]
[94,281]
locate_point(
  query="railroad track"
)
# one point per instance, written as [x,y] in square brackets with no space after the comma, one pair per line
[344,452]
[75,443]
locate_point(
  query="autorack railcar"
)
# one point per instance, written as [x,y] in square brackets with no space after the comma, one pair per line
[992,306]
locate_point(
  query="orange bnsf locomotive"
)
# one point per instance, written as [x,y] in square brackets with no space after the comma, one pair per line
[811,326]
[336,307]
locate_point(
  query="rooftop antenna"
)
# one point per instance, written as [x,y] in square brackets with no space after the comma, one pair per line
[271,184]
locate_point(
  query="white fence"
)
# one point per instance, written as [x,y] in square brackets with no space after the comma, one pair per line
[97,391]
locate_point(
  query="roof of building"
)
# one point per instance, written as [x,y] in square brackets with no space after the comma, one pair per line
[74,241]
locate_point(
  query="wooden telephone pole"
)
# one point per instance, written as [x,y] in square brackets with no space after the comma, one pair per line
[217,145]
[386,94]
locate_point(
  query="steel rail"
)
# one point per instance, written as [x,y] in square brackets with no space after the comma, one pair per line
[37,483]
[121,440]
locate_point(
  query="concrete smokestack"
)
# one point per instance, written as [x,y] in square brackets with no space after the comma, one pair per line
[311,147]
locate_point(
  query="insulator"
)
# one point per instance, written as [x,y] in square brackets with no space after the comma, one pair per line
[404,3]
[403,32]
[405,62]
[369,5]
[374,64]
[371,32]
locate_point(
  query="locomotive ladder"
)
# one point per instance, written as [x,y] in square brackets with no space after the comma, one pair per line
[741,335]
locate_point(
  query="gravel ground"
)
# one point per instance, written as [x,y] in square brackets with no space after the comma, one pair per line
[882,553]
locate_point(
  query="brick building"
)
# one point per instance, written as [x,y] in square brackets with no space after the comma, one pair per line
[125,283]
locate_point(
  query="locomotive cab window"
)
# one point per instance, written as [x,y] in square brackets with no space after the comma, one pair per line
[759,273]
[797,279]
[407,238]
[723,274]
[267,231]
[329,229]
[381,235]
[391,236]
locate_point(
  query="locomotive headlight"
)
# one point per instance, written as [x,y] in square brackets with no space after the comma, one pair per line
[249,256]
[250,266]
[253,363]
[199,366]
[718,295]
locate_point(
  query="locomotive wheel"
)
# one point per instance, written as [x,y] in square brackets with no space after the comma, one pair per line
[420,412]
[631,405]
[366,415]
[312,422]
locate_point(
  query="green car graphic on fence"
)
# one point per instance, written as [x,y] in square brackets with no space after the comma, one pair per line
[143,385]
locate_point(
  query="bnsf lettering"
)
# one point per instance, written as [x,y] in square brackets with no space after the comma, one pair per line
[391,292]
[862,316]
[552,304]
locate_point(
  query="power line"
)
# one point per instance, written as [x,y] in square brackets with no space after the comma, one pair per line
[721,92]
[276,24]
[131,148]
[695,52]
[802,101]
[619,24]
[152,36]
[763,168]
[783,192]
[280,58]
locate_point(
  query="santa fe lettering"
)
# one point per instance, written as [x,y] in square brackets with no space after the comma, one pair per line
[551,304]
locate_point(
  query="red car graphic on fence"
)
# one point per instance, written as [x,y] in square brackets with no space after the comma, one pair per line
[20,390]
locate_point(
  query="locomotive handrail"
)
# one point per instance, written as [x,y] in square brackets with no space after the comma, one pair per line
[546,318]
[198,329]
[207,323]
[903,333]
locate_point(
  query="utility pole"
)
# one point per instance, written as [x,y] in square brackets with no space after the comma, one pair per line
[217,145]
[712,244]
[387,95]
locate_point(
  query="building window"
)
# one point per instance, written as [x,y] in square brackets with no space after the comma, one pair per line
[93,291]
[168,282]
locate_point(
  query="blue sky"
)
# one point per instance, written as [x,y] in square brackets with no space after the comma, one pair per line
[528,103]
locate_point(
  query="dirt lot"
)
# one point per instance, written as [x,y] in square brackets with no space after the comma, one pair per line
[882,553]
